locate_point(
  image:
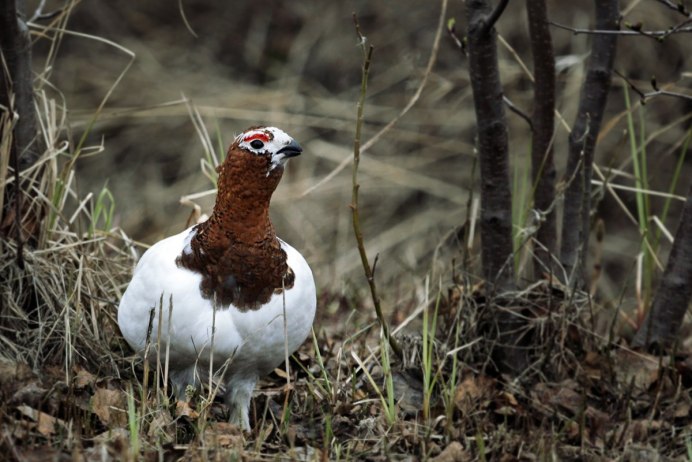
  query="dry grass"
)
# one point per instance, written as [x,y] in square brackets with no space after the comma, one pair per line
[71,388]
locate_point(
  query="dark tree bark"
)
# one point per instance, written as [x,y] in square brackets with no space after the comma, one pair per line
[493,152]
[16,79]
[543,124]
[672,298]
[496,199]
[582,143]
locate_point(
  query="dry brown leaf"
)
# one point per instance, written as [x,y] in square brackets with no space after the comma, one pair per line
[471,392]
[45,423]
[161,427]
[82,378]
[565,395]
[183,408]
[568,396]
[638,368]
[112,435]
[682,409]
[12,372]
[281,373]
[507,404]
[109,406]
[593,365]
[454,452]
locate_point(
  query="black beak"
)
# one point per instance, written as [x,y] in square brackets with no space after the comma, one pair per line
[292,149]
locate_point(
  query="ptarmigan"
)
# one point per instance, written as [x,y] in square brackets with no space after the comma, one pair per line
[234,262]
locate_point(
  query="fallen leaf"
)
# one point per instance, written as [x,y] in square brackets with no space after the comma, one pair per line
[161,427]
[682,409]
[183,408]
[281,373]
[640,369]
[12,372]
[454,452]
[45,423]
[109,406]
[563,395]
[471,392]
[83,379]
[112,435]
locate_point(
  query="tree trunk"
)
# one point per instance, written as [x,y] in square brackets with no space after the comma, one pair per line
[670,303]
[496,198]
[493,151]
[543,125]
[582,143]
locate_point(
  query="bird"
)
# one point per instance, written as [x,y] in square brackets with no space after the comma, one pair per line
[229,294]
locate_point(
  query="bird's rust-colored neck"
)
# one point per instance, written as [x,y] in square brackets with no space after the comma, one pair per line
[236,250]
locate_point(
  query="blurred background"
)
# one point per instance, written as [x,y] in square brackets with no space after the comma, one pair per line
[296,65]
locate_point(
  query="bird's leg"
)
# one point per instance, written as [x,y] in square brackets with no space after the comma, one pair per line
[180,380]
[237,398]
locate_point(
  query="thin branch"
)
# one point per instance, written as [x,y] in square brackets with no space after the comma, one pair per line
[512,107]
[644,97]
[452,32]
[673,94]
[494,16]
[678,7]
[369,271]
[404,111]
[655,34]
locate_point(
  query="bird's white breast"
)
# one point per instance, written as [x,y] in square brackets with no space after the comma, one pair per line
[253,340]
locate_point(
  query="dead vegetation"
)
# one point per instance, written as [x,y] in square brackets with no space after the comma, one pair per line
[70,387]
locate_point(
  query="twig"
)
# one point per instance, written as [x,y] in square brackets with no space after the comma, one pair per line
[652,94]
[404,111]
[451,30]
[367,59]
[494,16]
[679,7]
[633,30]
[512,107]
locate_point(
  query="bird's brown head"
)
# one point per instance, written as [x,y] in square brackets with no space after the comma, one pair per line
[255,161]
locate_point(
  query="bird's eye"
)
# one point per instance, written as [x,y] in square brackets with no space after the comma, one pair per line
[256,144]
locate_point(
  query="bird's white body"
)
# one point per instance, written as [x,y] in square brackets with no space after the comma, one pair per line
[245,344]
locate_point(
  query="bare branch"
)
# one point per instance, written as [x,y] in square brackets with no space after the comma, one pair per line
[679,7]
[369,270]
[513,107]
[494,16]
[644,97]
[634,30]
